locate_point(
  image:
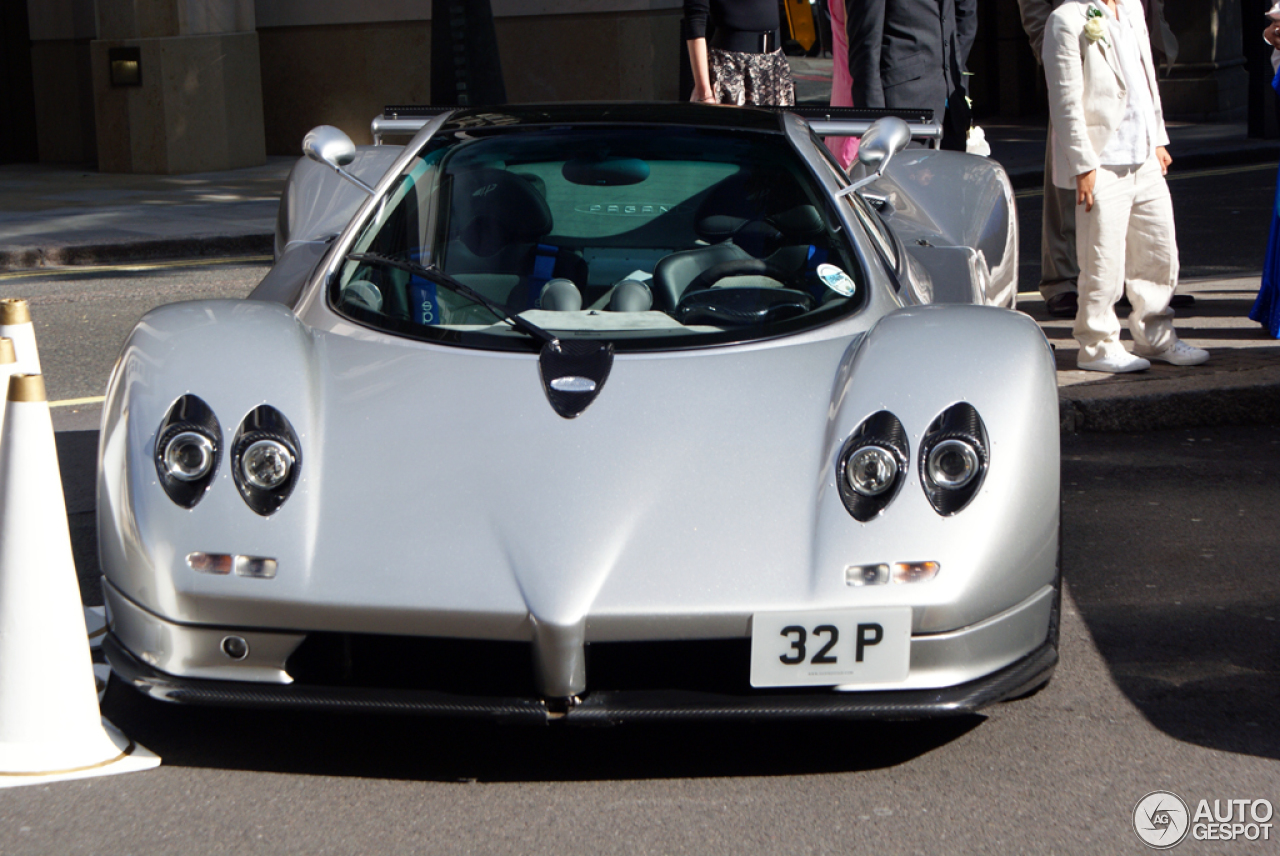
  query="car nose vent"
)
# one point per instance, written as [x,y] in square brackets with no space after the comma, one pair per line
[573,373]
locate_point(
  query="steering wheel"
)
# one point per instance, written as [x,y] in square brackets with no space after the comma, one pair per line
[742,306]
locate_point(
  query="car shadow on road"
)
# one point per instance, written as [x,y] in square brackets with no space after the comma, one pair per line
[1169,544]
[388,746]
[77,464]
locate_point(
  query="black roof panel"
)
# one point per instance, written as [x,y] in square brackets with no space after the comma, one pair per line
[580,113]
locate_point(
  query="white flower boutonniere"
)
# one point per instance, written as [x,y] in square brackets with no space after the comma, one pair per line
[1095,28]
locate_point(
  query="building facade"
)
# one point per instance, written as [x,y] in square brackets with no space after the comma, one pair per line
[173,86]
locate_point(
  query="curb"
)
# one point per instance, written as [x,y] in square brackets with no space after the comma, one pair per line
[160,249]
[1238,402]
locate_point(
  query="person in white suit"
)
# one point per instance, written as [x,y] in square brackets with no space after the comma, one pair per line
[1058,270]
[1108,145]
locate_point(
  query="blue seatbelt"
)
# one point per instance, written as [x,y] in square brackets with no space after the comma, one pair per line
[544,268]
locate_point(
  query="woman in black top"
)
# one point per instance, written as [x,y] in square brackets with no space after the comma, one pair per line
[742,62]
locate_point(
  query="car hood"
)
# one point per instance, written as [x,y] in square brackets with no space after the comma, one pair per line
[691,480]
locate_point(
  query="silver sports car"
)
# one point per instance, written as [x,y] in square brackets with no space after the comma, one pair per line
[598,413]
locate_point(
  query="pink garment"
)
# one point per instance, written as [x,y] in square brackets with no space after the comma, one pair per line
[844,148]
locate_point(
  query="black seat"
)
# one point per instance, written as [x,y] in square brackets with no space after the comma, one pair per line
[497,223]
[673,273]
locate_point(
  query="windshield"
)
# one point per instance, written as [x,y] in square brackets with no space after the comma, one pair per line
[648,238]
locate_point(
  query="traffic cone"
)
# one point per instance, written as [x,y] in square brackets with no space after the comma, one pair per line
[15,324]
[95,618]
[50,726]
[8,366]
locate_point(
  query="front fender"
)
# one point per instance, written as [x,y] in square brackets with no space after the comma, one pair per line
[235,355]
[1002,547]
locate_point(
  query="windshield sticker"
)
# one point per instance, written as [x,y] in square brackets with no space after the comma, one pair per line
[837,280]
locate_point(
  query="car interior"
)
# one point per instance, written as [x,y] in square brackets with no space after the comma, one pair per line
[681,230]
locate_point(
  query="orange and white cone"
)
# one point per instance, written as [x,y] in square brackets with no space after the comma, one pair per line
[50,726]
[15,324]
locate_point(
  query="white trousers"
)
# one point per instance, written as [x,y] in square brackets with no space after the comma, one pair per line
[1126,242]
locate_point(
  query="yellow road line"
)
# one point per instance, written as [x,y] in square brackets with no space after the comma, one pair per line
[141,266]
[72,402]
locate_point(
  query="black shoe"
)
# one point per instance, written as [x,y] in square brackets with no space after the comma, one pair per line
[1063,305]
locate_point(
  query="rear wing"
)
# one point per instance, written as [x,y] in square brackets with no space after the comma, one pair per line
[407,120]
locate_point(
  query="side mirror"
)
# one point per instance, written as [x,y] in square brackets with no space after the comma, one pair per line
[329,146]
[887,136]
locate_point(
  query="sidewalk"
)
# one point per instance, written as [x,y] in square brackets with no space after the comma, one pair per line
[1240,385]
[52,216]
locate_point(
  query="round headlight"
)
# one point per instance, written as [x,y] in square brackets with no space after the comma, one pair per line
[266,464]
[953,464]
[188,456]
[871,470]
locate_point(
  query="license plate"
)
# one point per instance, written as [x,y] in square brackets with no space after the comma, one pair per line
[843,646]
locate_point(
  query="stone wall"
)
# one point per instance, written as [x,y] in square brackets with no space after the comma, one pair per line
[343,72]
[340,61]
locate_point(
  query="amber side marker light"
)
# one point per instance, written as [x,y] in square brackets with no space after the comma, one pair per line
[258,567]
[209,563]
[915,572]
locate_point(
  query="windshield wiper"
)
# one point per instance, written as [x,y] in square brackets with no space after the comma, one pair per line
[439,277]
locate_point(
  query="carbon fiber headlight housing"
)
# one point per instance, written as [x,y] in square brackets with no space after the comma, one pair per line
[953,458]
[188,449]
[265,459]
[872,465]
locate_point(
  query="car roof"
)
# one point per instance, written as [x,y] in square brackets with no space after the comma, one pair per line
[639,113]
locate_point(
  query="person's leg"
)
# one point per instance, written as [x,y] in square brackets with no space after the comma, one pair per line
[957,118]
[1151,266]
[1152,273]
[1101,235]
[1059,269]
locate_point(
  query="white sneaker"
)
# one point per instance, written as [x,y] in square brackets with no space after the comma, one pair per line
[1181,354]
[1115,363]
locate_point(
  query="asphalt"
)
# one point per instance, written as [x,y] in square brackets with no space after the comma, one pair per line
[58,216]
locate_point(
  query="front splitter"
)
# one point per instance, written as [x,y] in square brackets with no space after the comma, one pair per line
[599,708]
